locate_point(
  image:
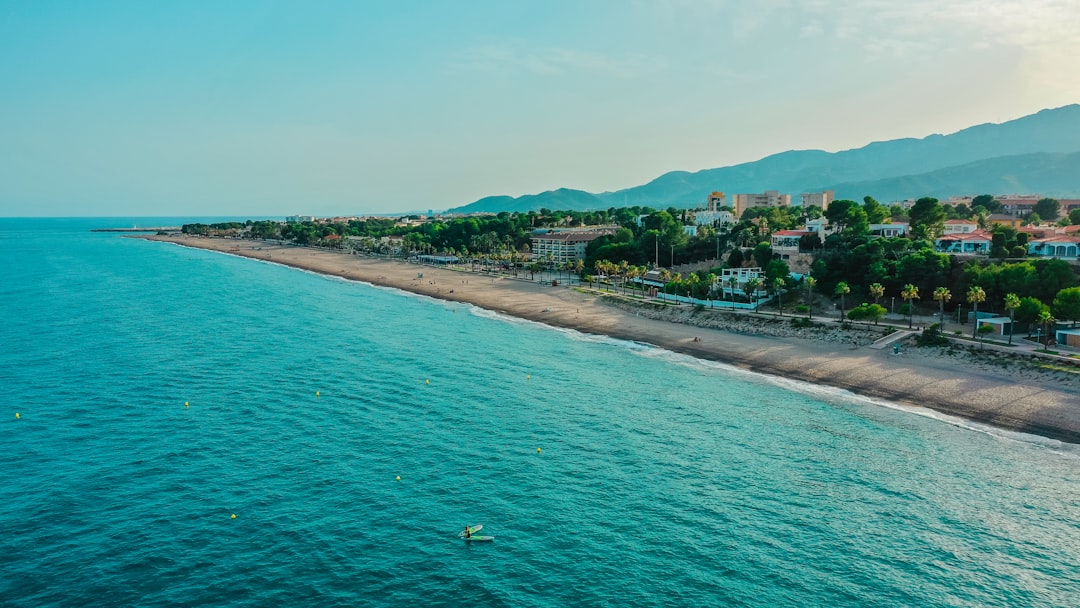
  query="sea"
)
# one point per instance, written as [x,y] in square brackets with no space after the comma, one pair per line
[186,428]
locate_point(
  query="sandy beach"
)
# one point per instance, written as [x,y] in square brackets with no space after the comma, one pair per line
[1016,397]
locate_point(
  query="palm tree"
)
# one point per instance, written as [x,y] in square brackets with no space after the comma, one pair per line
[877,291]
[1046,321]
[676,278]
[1012,302]
[842,290]
[910,293]
[811,282]
[975,295]
[732,282]
[710,278]
[750,287]
[665,276]
[942,295]
[778,287]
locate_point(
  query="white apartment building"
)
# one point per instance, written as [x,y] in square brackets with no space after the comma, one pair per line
[561,247]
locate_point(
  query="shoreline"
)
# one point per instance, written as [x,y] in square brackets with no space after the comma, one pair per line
[1016,398]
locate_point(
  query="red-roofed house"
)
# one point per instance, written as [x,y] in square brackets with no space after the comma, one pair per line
[787,241]
[977,242]
[1057,246]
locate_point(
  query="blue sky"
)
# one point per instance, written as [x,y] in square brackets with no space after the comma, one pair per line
[273,108]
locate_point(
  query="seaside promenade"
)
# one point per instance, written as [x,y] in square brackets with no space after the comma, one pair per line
[1008,392]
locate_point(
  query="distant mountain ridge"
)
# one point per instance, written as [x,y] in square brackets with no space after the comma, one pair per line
[1032,154]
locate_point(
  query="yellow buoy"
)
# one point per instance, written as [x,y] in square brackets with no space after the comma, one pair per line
[529,377]
[234,516]
[537,450]
[317,394]
[16,415]
[398,478]
[185,404]
[427,381]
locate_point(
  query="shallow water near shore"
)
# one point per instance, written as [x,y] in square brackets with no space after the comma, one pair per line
[610,473]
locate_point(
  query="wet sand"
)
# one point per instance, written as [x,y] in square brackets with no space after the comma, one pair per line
[1017,398]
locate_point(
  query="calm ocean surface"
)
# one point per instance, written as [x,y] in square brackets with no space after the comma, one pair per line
[660,480]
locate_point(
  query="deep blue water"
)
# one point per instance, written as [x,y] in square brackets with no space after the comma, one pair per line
[659,481]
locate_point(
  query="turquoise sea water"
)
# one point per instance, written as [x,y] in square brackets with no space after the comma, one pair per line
[660,480]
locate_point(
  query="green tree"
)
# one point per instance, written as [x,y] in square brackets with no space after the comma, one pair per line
[1029,310]
[876,213]
[909,294]
[778,288]
[1012,302]
[842,289]
[810,283]
[732,283]
[1066,305]
[867,312]
[975,296]
[942,295]
[1074,217]
[750,288]
[1046,325]
[1048,208]
[763,254]
[876,290]
[735,258]
[927,219]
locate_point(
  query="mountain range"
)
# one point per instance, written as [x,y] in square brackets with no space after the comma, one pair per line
[1036,154]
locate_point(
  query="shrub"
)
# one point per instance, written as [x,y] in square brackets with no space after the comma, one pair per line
[931,336]
[802,308]
[801,322]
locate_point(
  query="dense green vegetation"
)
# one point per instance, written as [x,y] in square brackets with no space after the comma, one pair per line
[851,264]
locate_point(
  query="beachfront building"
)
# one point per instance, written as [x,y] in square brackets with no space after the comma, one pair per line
[560,247]
[741,276]
[1067,337]
[817,199]
[1001,326]
[1063,247]
[769,198]
[977,242]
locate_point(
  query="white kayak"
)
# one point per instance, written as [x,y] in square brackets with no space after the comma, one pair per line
[477,538]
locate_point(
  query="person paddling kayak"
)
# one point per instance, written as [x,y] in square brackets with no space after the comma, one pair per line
[468,533]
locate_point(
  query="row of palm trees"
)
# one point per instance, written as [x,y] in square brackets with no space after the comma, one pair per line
[975,295]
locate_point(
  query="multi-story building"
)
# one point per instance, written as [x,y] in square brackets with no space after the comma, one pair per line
[560,247]
[715,201]
[817,199]
[769,198]
[960,226]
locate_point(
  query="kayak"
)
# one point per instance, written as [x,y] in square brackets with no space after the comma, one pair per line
[477,538]
[472,530]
